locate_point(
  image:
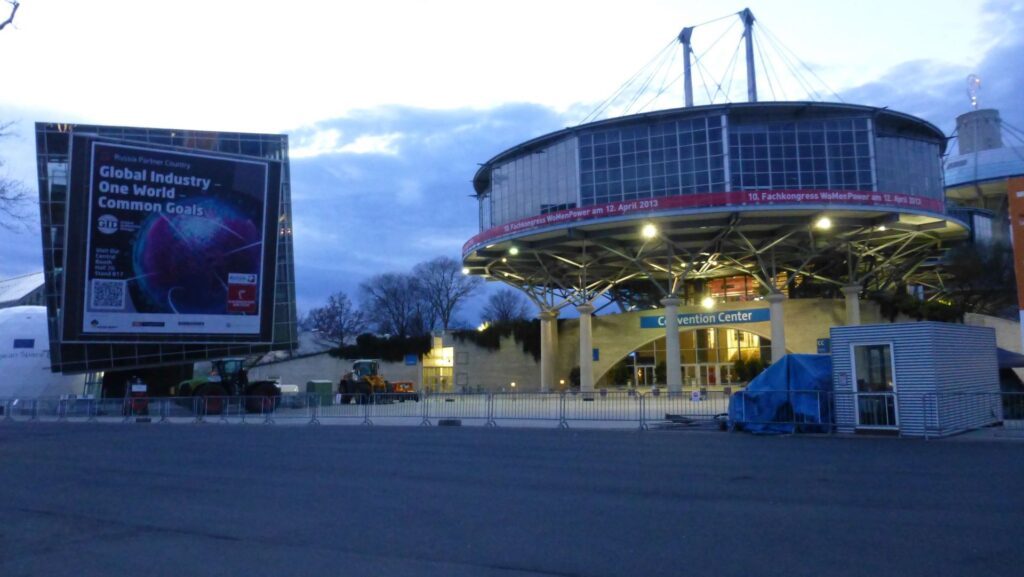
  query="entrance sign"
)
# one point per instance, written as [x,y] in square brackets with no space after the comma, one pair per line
[709,319]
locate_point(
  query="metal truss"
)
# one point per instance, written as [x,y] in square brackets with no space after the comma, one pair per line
[615,265]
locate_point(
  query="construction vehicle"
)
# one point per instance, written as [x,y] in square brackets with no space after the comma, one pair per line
[229,378]
[365,384]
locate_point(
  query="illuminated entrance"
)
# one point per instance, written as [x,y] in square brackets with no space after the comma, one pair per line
[709,357]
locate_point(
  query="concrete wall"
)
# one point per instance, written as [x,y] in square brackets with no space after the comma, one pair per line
[477,368]
[1007,332]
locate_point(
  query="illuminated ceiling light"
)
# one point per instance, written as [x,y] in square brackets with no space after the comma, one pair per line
[707,303]
[503,259]
[513,251]
[465,270]
[649,231]
[881,228]
[823,223]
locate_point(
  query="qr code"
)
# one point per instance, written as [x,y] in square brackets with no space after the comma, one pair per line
[108,294]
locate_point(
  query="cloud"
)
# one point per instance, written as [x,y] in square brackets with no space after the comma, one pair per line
[330,141]
[376,213]
[937,91]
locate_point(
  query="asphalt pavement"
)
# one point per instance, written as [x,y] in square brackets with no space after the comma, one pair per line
[153,500]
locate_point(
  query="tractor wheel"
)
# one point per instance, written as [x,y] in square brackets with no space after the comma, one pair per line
[261,399]
[212,399]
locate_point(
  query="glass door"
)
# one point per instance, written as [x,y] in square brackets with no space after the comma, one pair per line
[644,375]
[704,375]
[690,375]
[875,387]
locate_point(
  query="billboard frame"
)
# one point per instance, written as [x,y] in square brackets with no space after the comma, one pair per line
[76,265]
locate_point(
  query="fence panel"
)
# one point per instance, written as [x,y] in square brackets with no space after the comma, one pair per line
[395,409]
[690,407]
[616,407]
[329,409]
[471,407]
[526,408]
[20,409]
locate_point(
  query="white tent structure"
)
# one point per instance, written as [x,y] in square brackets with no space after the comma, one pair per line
[25,357]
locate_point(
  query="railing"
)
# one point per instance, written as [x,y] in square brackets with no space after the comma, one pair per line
[601,408]
[940,414]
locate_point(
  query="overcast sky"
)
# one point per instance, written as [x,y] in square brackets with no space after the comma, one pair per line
[390,105]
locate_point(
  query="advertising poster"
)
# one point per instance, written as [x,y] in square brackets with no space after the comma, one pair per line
[176,243]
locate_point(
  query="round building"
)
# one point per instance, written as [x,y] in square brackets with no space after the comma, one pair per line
[722,218]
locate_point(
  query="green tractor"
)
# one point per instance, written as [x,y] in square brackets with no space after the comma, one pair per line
[229,378]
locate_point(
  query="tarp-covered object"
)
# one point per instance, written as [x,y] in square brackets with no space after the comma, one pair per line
[791,395]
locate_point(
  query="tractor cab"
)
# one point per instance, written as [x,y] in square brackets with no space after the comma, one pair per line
[365,368]
[231,374]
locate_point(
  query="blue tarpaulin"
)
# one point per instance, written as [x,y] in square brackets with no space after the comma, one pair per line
[791,395]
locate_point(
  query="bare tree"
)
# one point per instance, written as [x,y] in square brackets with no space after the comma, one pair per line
[444,287]
[13,195]
[506,305]
[338,320]
[10,17]
[981,279]
[393,304]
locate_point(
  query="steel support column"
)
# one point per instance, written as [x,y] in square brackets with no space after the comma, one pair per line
[548,349]
[586,348]
[673,370]
[778,320]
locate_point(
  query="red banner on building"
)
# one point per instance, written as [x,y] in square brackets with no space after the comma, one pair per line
[734,199]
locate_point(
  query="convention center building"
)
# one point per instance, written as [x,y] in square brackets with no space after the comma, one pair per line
[685,240]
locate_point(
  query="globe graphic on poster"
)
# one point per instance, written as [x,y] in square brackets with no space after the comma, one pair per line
[181,262]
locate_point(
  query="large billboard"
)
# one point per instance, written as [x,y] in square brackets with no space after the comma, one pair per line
[168,245]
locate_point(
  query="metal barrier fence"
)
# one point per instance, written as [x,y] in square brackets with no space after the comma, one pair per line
[617,408]
[689,407]
[529,408]
[941,414]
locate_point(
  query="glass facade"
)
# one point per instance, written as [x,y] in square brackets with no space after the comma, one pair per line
[908,166]
[52,148]
[531,184]
[666,158]
[736,148]
[807,154]
[707,358]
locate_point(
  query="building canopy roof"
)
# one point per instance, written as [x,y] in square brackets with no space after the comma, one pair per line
[16,288]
